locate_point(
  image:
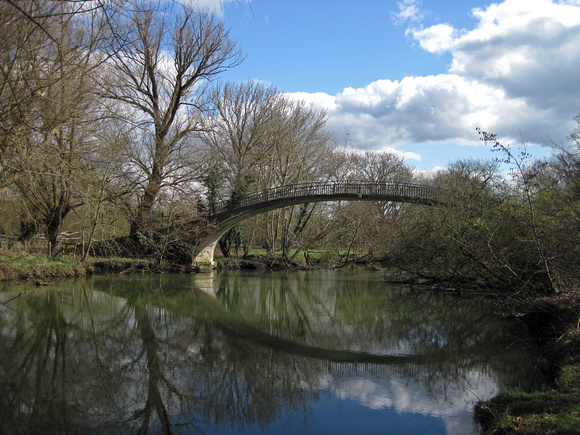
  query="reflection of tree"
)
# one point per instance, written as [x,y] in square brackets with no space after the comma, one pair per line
[38,367]
[156,377]
[151,353]
[34,366]
[221,378]
[449,336]
[253,385]
[358,316]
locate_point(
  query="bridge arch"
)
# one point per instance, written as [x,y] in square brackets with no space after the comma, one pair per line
[226,214]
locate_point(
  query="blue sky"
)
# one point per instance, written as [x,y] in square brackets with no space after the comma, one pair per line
[326,46]
[417,76]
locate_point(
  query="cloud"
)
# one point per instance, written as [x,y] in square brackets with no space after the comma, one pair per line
[409,11]
[515,71]
[215,6]
[435,39]
[405,155]
[416,109]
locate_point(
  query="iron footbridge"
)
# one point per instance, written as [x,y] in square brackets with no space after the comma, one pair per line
[226,214]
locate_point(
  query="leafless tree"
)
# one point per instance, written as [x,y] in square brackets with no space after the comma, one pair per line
[30,35]
[262,139]
[57,144]
[238,133]
[302,149]
[164,57]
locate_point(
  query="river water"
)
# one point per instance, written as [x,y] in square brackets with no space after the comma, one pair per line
[317,352]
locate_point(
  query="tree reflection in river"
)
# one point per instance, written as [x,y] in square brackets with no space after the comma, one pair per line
[249,352]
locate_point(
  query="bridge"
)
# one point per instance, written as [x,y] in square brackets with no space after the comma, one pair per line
[228,214]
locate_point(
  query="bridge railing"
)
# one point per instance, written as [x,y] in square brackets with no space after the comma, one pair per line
[329,188]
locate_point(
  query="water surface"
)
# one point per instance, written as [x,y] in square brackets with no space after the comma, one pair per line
[301,352]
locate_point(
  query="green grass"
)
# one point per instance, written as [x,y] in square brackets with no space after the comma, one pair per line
[556,411]
[32,261]
[19,266]
[315,254]
[259,258]
[16,266]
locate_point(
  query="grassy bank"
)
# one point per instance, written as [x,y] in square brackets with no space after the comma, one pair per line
[28,267]
[296,259]
[555,323]
[42,270]
[556,411]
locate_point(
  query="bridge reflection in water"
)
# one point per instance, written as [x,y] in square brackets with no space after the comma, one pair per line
[227,214]
[266,353]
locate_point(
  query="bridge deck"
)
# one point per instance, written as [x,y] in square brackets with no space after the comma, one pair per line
[227,214]
[330,190]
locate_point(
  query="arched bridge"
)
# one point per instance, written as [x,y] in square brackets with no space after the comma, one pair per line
[228,214]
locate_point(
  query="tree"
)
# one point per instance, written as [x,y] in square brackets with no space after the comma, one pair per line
[301,155]
[238,132]
[365,227]
[518,163]
[460,242]
[29,37]
[382,167]
[237,135]
[57,141]
[262,139]
[164,57]
[555,187]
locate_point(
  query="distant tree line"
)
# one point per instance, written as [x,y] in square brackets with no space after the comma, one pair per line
[115,125]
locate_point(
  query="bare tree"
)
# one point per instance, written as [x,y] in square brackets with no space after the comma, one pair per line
[518,163]
[263,139]
[23,48]
[238,135]
[164,56]
[382,167]
[302,149]
[239,131]
[30,35]
[59,145]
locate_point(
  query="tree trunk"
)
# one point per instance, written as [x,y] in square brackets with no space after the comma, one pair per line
[53,230]
[145,206]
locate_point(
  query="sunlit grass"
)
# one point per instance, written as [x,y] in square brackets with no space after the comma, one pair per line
[22,266]
[553,411]
[314,254]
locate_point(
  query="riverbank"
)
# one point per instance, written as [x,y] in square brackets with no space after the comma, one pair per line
[15,266]
[42,270]
[555,325]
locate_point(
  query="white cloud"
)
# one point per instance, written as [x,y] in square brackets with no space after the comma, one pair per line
[319,99]
[409,11]
[405,155]
[435,39]
[216,6]
[416,109]
[516,70]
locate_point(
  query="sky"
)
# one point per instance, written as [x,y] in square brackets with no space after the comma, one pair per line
[417,77]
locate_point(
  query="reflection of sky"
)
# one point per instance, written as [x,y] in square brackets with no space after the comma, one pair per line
[454,406]
[404,405]
[345,416]
[386,404]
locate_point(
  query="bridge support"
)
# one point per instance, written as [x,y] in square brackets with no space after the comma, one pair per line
[204,260]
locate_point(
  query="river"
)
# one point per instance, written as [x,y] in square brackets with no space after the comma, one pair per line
[314,352]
